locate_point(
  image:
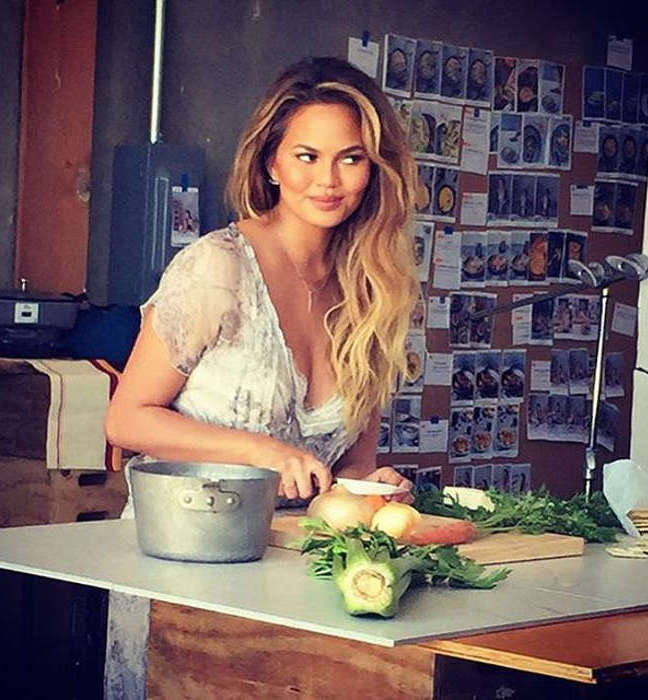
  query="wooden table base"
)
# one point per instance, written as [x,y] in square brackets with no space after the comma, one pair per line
[199,654]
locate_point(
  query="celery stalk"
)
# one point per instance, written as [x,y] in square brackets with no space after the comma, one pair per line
[372,584]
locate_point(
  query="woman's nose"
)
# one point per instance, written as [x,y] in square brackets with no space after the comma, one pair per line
[327,175]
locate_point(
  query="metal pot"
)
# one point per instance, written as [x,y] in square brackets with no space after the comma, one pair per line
[198,511]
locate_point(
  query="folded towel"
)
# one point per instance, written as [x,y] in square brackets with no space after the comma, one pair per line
[79,394]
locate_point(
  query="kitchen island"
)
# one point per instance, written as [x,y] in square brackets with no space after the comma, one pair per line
[291,623]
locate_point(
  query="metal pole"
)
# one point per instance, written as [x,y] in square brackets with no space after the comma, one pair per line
[599,367]
[158,45]
[545,296]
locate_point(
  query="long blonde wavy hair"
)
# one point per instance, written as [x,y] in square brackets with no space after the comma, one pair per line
[372,249]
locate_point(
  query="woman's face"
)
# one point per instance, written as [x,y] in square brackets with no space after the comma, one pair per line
[321,165]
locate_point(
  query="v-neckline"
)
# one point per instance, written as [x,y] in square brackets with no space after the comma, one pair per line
[299,376]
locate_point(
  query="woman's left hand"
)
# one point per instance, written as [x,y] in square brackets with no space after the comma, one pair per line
[388,475]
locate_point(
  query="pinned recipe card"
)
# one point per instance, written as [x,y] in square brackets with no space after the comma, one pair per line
[447,252]
[619,53]
[624,319]
[438,313]
[434,434]
[540,375]
[363,54]
[474,207]
[581,201]
[476,141]
[438,369]
[586,137]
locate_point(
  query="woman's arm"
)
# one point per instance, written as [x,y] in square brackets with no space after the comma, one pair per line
[140,419]
[359,461]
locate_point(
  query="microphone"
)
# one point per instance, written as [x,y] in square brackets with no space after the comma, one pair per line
[633,266]
[640,259]
[589,276]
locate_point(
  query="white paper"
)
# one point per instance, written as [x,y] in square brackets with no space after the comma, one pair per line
[438,369]
[447,246]
[521,322]
[446,258]
[438,312]
[581,200]
[474,206]
[446,277]
[476,141]
[619,53]
[624,319]
[586,137]
[364,57]
[540,375]
[434,435]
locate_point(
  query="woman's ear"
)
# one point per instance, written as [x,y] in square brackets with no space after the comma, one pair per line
[271,176]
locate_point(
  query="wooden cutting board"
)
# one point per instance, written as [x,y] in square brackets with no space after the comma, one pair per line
[492,549]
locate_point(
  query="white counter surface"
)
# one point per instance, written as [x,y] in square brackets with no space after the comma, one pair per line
[278,590]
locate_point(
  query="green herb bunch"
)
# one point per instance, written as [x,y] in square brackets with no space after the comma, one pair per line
[439,564]
[533,512]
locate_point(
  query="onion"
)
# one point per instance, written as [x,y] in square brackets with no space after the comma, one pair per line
[341,509]
[396,519]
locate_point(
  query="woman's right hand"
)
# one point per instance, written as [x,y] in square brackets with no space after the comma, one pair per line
[302,474]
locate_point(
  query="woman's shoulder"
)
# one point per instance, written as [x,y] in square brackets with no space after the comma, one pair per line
[220,249]
[227,238]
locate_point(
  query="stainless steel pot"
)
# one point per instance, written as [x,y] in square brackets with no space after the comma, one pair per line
[198,511]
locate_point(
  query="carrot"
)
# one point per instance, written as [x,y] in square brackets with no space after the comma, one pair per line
[376,501]
[458,532]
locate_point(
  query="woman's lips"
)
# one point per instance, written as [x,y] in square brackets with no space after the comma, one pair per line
[326,203]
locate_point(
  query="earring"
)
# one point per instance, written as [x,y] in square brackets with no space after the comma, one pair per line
[272,181]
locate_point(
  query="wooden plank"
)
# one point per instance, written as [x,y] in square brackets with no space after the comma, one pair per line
[582,650]
[507,547]
[501,548]
[55,144]
[200,654]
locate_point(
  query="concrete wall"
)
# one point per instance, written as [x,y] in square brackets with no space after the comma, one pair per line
[122,104]
[221,54]
[11,13]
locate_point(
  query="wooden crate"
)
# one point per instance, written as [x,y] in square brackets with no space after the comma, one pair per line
[24,405]
[31,494]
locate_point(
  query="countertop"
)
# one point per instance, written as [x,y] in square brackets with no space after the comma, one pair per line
[278,590]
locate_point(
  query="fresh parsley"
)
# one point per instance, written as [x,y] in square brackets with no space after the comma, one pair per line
[441,564]
[533,512]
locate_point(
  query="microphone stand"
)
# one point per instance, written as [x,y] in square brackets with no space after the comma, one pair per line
[603,287]
[590,450]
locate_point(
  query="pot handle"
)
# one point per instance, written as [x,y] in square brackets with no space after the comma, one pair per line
[209,498]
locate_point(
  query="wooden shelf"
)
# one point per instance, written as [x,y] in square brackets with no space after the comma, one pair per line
[588,651]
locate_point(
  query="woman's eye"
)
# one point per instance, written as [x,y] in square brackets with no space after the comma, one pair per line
[353,159]
[306,157]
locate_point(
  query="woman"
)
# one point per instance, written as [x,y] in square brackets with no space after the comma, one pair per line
[276,341]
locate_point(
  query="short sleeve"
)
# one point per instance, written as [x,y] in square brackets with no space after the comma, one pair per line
[197,297]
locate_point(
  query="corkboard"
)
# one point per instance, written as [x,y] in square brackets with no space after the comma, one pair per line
[558,465]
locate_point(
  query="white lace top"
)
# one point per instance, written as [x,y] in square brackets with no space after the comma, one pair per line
[214,313]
